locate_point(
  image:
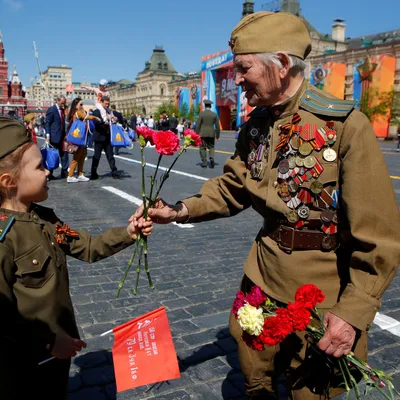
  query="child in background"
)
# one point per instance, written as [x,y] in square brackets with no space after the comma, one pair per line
[101,91]
[36,309]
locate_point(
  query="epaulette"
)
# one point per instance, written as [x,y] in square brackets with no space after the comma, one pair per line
[318,102]
[6,222]
[259,112]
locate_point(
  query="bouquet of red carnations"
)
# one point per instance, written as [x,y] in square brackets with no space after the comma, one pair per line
[166,143]
[266,324]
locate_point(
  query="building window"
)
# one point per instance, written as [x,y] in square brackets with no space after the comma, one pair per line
[162,90]
[165,66]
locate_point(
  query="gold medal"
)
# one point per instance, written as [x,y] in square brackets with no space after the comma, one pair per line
[309,162]
[316,187]
[295,142]
[292,217]
[305,149]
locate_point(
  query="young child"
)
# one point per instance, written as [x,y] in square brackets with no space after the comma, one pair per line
[101,91]
[36,310]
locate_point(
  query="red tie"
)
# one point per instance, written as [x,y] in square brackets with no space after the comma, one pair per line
[62,119]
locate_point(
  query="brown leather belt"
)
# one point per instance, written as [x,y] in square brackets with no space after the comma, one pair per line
[289,239]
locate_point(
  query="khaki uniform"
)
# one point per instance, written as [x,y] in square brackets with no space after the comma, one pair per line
[207,127]
[353,266]
[35,299]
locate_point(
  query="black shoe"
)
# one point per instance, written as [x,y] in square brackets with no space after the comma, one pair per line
[116,176]
[203,165]
[64,174]
[212,163]
[94,177]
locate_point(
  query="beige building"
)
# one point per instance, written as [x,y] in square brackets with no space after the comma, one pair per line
[151,88]
[56,80]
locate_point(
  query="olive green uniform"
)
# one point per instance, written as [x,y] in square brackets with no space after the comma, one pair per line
[353,257]
[35,299]
[207,127]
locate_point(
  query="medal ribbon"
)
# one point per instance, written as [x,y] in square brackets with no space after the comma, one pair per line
[63,232]
[286,133]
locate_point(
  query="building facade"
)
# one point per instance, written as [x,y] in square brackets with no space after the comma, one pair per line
[12,94]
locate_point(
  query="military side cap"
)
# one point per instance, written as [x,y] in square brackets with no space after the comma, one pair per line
[266,32]
[207,102]
[12,135]
[29,117]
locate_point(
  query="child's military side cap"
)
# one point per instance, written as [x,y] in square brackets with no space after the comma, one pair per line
[266,32]
[12,135]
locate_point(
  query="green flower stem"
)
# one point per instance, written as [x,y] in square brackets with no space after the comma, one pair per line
[153,179]
[146,263]
[138,267]
[346,384]
[122,282]
[143,182]
[165,176]
[352,380]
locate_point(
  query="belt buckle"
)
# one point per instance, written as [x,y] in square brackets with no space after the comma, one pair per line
[284,248]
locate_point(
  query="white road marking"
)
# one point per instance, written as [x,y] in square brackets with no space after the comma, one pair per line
[387,323]
[137,201]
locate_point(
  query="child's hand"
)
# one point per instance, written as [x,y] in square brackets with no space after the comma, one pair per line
[66,347]
[139,225]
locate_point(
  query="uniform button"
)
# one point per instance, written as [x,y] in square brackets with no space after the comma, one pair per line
[308,97]
[277,113]
[52,243]
[35,262]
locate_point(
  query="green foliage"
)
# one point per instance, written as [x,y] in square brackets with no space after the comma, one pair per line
[184,111]
[374,104]
[169,108]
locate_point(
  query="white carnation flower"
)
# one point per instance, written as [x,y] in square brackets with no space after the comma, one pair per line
[251,319]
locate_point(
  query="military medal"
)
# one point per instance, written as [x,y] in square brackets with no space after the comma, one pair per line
[292,217]
[293,187]
[316,187]
[283,191]
[329,155]
[292,162]
[309,162]
[295,142]
[299,161]
[294,202]
[305,196]
[283,166]
[303,212]
[254,132]
[326,216]
[305,149]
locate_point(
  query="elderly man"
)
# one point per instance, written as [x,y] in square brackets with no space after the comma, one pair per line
[310,165]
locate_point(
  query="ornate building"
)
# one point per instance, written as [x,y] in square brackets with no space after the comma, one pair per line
[12,95]
[151,88]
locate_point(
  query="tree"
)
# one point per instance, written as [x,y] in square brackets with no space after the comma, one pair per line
[169,108]
[374,104]
[184,111]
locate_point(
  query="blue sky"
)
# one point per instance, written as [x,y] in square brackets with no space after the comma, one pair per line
[113,40]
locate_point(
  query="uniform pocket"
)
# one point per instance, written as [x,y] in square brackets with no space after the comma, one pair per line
[33,267]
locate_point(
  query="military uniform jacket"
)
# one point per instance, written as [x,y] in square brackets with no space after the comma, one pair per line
[208,124]
[34,283]
[357,183]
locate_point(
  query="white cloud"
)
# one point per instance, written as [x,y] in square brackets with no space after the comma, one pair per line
[14,4]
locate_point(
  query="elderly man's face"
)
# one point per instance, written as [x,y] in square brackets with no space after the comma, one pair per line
[261,83]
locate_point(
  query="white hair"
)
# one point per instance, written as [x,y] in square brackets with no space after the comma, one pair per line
[296,64]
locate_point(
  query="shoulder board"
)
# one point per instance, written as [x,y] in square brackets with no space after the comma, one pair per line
[319,102]
[6,222]
[259,112]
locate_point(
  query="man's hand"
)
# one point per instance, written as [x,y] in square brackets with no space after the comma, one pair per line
[66,347]
[339,336]
[137,226]
[163,213]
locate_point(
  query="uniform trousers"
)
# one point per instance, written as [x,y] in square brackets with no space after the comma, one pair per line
[78,161]
[108,149]
[207,143]
[302,368]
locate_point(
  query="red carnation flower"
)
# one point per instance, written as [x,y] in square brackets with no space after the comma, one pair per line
[254,342]
[300,315]
[167,143]
[309,295]
[194,137]
[147,133]
[276,329]
[256,297]
[238,303]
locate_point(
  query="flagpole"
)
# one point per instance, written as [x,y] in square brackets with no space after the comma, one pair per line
[52,358]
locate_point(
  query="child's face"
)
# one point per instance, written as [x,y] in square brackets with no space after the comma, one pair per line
[32,181]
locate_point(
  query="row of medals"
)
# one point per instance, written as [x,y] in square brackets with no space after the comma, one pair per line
[298,166]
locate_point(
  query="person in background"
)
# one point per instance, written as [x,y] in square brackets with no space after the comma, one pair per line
[133,122]
[150,122]
[30,121]
[173,123]
[101,91]
[77,112]
[207,126]
[180,128]
[35,301]
[163,123]
[102,140]
[55,133]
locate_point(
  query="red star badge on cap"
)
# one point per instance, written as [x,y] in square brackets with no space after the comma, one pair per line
[3,217]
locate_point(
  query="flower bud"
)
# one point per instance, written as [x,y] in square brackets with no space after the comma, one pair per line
[381,384]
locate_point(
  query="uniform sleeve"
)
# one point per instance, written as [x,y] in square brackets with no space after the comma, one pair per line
[372,215]
[217,127]
[94,248]
[198,125]
[17,328]
[223,196]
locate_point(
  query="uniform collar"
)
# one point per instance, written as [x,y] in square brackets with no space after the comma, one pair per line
[282,110]
[29,216]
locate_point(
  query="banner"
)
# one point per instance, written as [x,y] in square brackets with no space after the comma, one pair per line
[330,77]
[144,352]
[226,90]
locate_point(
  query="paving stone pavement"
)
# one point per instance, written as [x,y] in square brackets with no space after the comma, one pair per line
[196,273]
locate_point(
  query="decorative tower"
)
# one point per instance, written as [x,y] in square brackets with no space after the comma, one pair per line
[3,74]
[15,88]
[248,8]
[290,6]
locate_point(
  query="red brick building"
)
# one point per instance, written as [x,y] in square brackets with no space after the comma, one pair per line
[12,96]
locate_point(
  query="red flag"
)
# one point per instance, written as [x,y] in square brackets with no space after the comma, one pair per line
[144,352]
